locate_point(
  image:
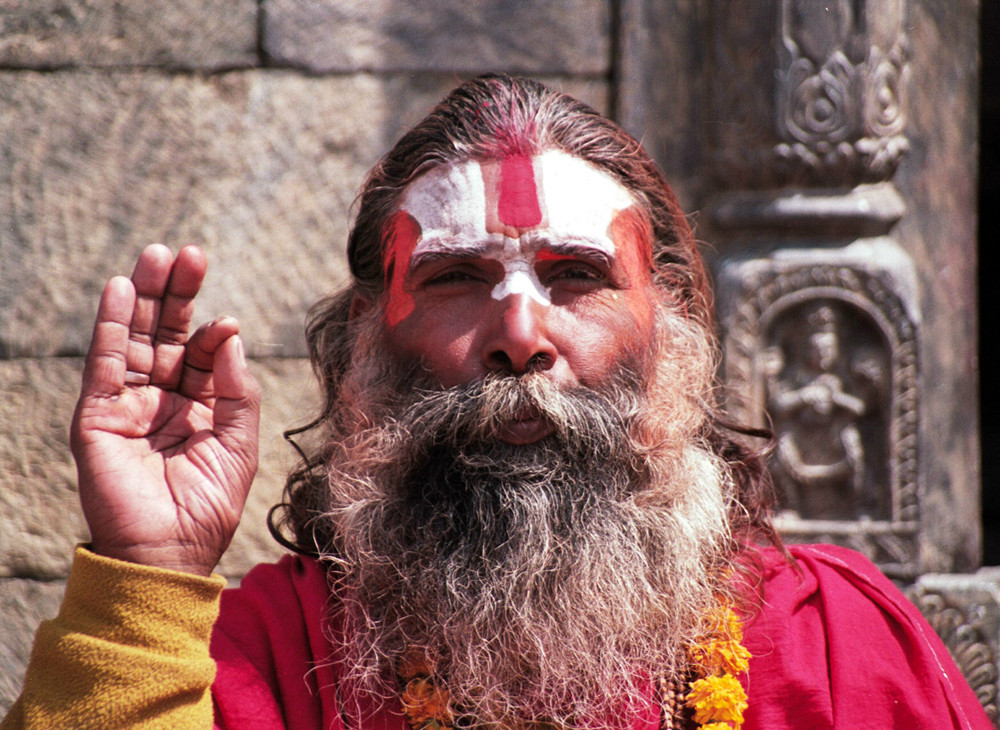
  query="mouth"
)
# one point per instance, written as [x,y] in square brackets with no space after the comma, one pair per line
[527,427]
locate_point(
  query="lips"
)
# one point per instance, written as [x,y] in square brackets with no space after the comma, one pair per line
[526,427]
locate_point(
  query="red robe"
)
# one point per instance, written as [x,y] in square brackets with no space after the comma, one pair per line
[835,645]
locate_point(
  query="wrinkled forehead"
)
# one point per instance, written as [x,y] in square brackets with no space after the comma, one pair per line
[518,193]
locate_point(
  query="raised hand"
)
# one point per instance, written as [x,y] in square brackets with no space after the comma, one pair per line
[165,431]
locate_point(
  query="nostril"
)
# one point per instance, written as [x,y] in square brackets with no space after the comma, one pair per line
[500,360]
[539,361]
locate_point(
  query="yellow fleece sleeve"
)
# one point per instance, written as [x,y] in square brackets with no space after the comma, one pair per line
[128,649]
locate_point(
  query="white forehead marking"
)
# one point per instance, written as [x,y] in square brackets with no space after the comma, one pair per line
[520,278]
[580,201]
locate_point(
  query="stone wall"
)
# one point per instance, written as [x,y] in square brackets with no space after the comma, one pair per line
[246,126]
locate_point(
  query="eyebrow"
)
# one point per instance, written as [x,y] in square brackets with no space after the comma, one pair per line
[582,248]
[452,248]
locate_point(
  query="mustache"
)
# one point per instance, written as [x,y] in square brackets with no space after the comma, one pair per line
[476,413]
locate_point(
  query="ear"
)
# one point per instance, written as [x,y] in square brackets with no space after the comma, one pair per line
[360,305]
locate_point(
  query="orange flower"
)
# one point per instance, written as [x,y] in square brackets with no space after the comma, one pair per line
[723,621]
[424,703]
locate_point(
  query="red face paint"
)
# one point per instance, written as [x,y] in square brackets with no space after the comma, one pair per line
[513,201]
[402,233]
[546,255]
[518,200]
[633,239]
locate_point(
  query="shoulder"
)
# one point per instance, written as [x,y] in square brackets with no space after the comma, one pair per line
[267,644]
[835,639]
[290,593]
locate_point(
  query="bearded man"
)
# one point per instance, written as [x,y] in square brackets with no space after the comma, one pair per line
[521,507]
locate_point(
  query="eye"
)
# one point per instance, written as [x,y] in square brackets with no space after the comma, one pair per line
[455,276]
[575,272]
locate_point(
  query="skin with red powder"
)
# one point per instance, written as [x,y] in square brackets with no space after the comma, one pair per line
[401,233]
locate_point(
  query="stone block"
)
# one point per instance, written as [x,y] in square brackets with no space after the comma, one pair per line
[40,517]
[660,93]
[448,35]
[259,168]
[23,605]
[189,34]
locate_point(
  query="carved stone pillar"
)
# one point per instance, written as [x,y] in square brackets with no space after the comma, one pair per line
[829,147]
[818,303]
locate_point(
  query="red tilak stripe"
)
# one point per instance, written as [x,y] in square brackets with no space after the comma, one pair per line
[518,205]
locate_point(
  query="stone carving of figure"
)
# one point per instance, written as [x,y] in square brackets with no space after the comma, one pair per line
[819,461]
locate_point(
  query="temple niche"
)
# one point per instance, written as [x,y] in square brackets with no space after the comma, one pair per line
[825,368]
[821,347]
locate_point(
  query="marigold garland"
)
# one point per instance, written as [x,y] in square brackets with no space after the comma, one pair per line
[717,697]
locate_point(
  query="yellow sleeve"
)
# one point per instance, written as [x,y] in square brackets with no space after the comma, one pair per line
[129,649]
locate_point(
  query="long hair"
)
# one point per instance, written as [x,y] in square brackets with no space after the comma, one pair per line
[488,118]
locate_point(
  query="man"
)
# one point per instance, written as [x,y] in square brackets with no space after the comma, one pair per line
[521,510]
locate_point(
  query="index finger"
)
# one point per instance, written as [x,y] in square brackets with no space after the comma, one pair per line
[105,368]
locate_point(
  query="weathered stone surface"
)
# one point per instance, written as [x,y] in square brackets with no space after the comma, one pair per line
[965,612]
[448,35]
[40,517]
[937,179]
[258,168]
[660,94]
[23,605]
[191,34]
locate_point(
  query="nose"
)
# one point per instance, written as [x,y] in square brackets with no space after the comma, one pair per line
[518,341]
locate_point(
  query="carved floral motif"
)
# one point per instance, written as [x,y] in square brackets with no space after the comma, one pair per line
[840,76]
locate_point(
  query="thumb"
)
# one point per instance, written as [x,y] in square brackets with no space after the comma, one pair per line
[236,418]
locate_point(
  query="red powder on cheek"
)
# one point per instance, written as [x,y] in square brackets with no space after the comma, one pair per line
[402,233]
[518,200]
[633,241]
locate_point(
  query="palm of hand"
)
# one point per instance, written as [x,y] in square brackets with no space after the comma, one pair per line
[164,467]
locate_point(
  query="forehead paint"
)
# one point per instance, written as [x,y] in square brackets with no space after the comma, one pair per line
[519,275]
[402,233]
[511,195]
[507,209]
[518,200]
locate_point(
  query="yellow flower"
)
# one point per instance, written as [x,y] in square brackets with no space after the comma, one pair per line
[717,726]
[717,699]
[720,656]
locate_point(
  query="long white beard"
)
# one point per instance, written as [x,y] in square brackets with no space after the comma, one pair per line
[544,582]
